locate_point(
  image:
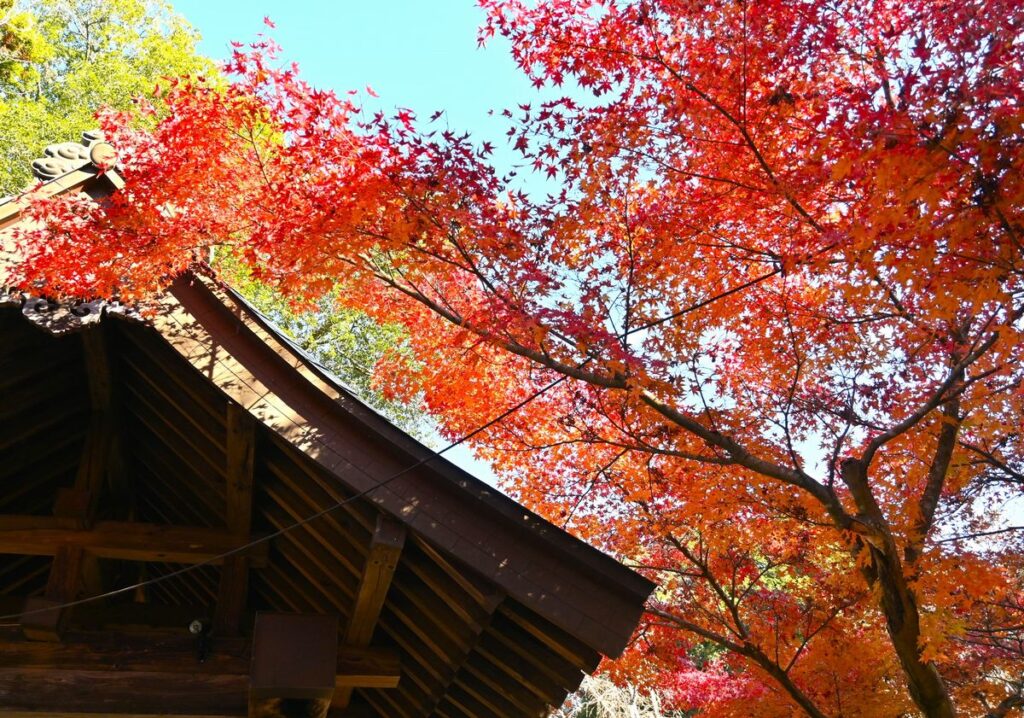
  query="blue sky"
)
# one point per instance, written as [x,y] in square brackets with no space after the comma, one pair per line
[420,54]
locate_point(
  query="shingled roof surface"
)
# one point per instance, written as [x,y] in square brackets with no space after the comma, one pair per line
[491,610]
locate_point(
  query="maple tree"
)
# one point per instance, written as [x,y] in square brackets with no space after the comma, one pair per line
[775,304]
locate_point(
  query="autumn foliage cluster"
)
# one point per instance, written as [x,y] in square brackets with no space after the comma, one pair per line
[772,312]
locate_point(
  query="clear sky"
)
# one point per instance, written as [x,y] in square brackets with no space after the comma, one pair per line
[420,54]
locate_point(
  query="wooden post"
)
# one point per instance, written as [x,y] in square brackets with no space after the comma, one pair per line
[63,585]
[234,575]
[100,467]
[73,570]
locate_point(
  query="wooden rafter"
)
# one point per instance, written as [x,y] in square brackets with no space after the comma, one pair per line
[241,443]
[381,562]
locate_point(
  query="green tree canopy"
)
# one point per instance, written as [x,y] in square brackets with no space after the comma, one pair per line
[62,60]
[345,342]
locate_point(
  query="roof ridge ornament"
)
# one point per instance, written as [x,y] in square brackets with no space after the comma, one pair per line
[63,157]
[65,166]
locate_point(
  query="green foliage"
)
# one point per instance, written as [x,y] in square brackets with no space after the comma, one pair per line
[62,60]
[346,342]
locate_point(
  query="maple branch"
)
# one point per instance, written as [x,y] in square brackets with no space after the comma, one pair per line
[689,174]
[747,650]
[630,275]
[740,455]
[705,302]
[849,416]
[453,317]
[897,598]
[769,565]
[793,384]
[640,446]
[894,299]
[740,124]
[995,532]
[1012,701]
[937,473]
[883,74]
[716,638]
[939,396]
[727,599]
[661,568]
[994,461]
[736,452]
[810,635]
[602,471]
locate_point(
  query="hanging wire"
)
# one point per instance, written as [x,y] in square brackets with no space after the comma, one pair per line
[286,529]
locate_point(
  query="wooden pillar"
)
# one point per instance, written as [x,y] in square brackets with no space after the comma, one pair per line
[100,468]
[45,621]
[234,575]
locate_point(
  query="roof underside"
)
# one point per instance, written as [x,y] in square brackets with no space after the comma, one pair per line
[492,611]
[467,648]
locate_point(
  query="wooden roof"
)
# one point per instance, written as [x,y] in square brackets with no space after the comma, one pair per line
[131,449]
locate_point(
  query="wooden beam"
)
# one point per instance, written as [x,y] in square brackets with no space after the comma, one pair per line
[97,364]
[381,562]
[293,665]
[234,576]
[232,595]
[48,698]
[104,673]
[174,654]
[75,507]
[100,464]
[96,455]
[162,712]
[353,712]
[129,541]
[240,450]
[67,693]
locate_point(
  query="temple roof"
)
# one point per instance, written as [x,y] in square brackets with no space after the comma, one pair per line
[490,609]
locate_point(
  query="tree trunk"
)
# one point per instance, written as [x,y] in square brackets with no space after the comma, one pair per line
[902,620]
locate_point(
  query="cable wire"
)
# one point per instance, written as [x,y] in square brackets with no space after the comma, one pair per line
[291,527]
